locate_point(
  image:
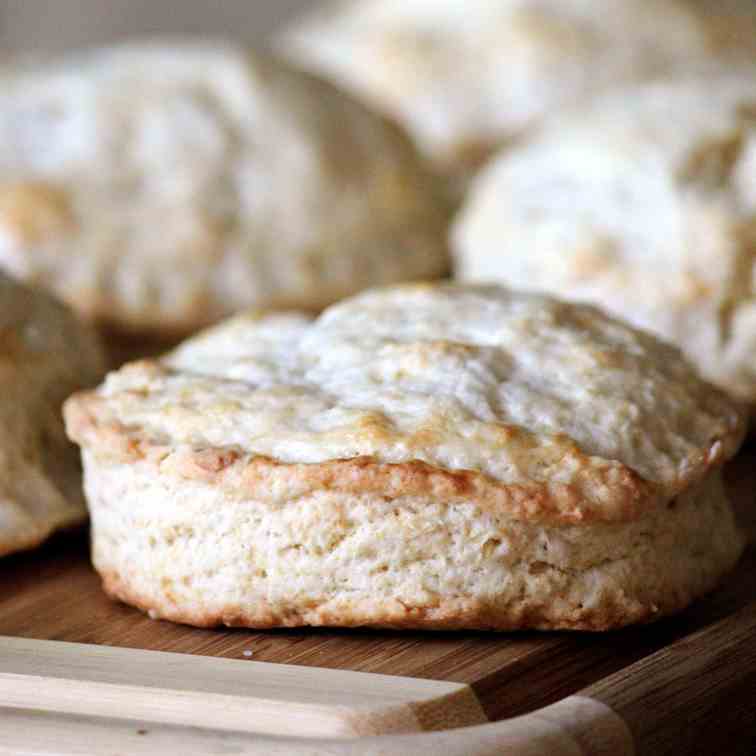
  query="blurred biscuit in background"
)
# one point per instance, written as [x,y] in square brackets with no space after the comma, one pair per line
[468,77]
[644,204]
[45,354]
[158,187]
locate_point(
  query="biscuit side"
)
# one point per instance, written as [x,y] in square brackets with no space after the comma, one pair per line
[180,549]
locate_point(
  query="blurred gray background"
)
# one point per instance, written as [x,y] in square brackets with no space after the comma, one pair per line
[62,24]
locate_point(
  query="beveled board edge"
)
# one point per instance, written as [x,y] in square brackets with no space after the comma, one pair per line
[224,694]
[542,734]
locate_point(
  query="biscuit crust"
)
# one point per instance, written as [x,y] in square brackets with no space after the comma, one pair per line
[177,548]
[349,441]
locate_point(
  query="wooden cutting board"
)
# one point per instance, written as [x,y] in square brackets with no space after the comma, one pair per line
[700,665]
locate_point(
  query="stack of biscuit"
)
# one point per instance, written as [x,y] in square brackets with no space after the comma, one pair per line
[350,440]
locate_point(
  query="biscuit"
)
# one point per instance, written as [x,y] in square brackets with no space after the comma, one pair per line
[432,456]
[160,187]
[643,204]
[45,354]
[467,77]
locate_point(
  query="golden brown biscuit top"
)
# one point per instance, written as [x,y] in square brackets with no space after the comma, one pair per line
[446,388]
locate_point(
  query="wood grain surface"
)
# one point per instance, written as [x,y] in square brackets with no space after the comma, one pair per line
[54,594]
[691,695]
[72,698]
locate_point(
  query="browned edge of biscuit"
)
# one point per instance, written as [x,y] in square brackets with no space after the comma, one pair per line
[454,613]
[601,490]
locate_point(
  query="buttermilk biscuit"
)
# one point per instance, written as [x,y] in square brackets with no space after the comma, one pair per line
[160,187]
[45,354]
[417,457]
[467,76]
[644,204]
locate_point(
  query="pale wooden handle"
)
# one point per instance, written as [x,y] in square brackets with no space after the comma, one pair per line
[576,726]
[100,682]
[573,727]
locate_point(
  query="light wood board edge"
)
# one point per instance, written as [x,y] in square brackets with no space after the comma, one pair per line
[224,694]
[26,732]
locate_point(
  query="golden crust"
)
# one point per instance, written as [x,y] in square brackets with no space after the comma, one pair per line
[185,550]
[528,406]
[456,613]
[34,211]
[600,490]
[437,457]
